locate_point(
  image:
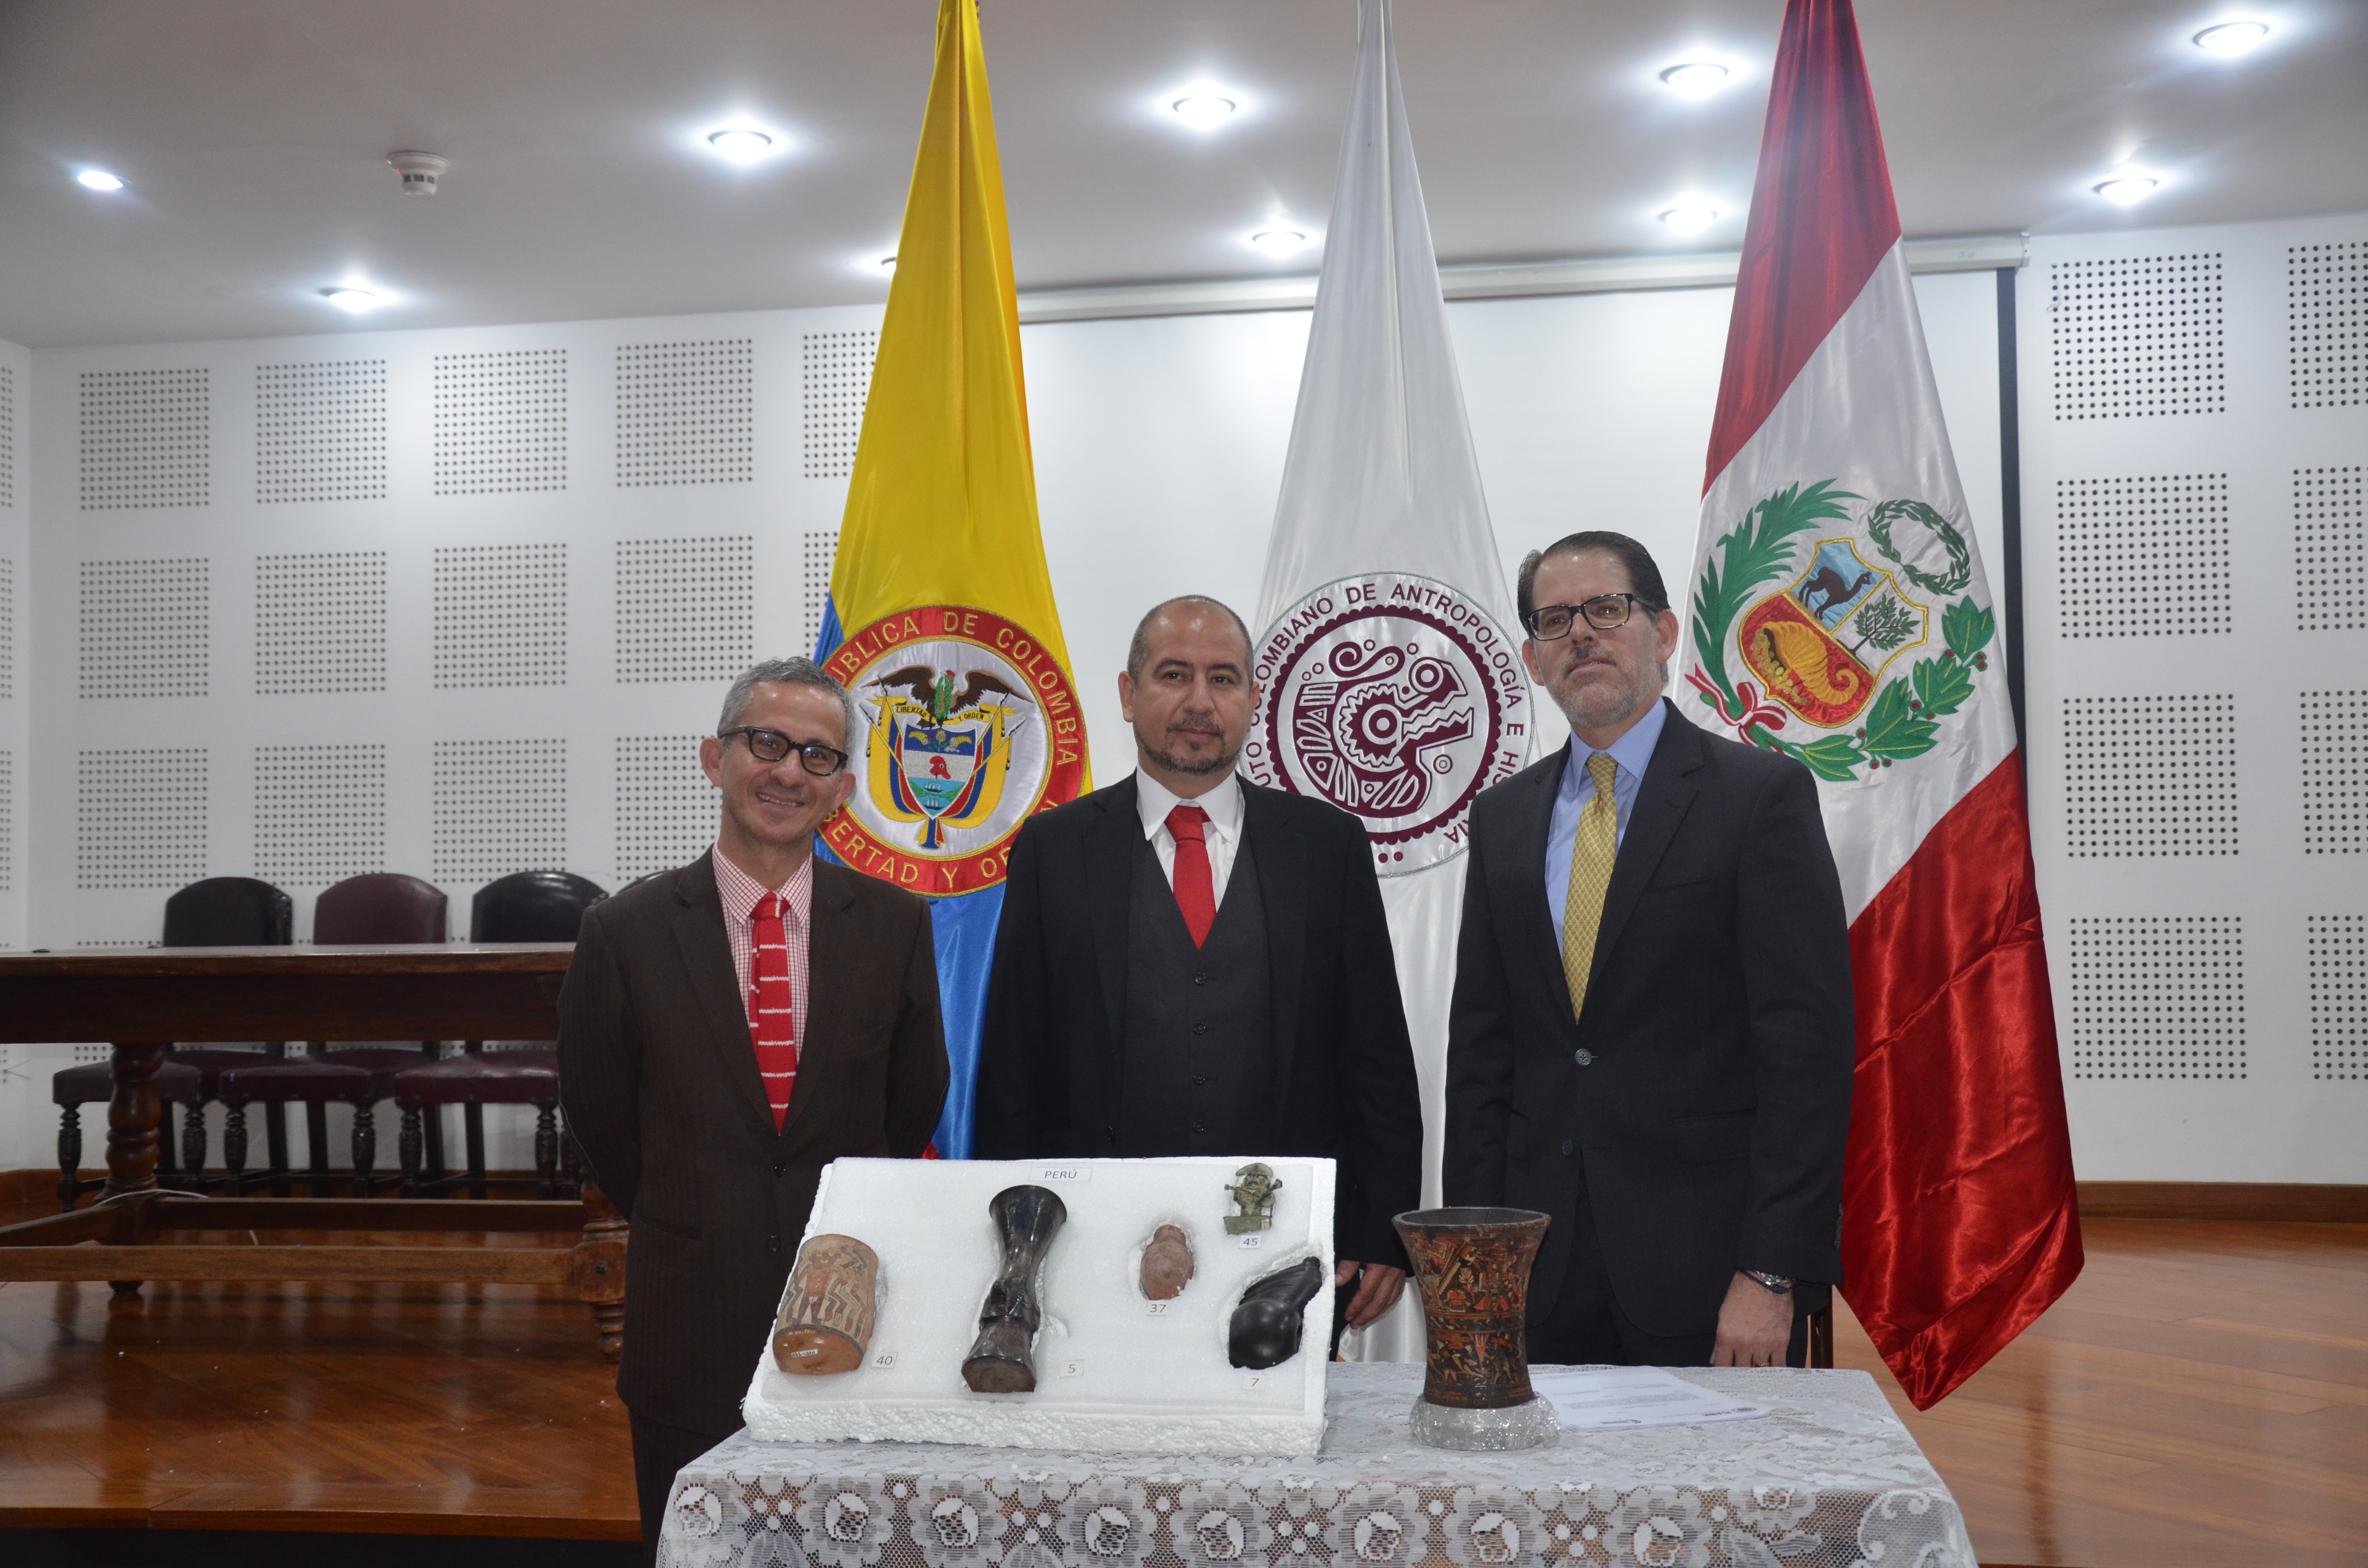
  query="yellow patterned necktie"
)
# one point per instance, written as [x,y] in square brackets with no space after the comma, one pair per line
[1590,874]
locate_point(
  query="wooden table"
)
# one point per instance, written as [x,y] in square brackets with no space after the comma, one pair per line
[139,1001]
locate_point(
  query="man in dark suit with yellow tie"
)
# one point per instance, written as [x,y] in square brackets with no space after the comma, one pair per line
[1651,1036]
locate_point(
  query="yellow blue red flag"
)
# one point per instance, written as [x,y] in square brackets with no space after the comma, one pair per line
[940,618]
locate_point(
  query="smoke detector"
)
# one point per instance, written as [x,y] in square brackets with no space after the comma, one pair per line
[420,171]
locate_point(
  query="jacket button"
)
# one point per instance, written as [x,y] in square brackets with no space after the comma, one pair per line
[1200,980]
[1568,1146]
[780,1167]
[1583,1056]
[772,1243]
[1200,1080]
[1200,1028]
[1199,1126]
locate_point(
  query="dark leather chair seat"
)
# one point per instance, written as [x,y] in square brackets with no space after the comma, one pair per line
[177,1083]
[500,1077]
[313,1083]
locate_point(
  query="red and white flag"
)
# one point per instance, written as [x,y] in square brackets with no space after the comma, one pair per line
[1839,614]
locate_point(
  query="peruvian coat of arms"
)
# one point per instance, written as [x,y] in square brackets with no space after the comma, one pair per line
[1845,643]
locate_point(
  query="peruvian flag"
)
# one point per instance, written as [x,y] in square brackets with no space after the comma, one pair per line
[1840,615]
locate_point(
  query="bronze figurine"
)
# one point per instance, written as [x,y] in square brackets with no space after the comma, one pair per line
[1253,1191]
[828,1312]
[1027,1218]
[1266,1325]
[1168,1265]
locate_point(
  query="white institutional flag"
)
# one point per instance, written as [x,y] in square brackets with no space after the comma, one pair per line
[1388,652]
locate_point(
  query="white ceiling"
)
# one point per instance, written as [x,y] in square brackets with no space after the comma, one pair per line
[252,135]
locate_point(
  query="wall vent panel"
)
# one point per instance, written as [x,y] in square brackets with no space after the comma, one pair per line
[145,628]
[146,439]
[320,622]
[497,807]
[2137,337]
[2158,996]
[2330,507]
[2339,997]
[320,431]
[2327,323]
[685,608]
[501,615]
[7,436]
[2334,772]
[139,818]
[838,380]
[665,807]
[685,412]
[501,422]
[7,628]
[2144,557]
[320,813]
[821,556]
[2150,777]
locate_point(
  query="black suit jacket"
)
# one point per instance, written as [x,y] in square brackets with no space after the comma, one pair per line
[1709,1118]
[659,1078]
[1052,1052]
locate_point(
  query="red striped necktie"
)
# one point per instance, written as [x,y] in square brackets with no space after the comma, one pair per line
[1196,892]
[772,1019]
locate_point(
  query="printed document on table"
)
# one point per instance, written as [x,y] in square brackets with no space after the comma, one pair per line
[1598,1400]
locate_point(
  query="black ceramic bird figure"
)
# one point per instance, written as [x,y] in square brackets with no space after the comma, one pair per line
[1266,1325]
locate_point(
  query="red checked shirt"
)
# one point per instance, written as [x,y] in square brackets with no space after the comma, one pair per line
[740,892]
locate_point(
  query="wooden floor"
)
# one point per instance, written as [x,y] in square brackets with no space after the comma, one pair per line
[2199,1399]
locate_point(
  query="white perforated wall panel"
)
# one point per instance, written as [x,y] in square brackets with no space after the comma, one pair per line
[7,628]
[146,439]
[320,621]
[7,436]
[2339,997]
[665,808]
[139,818]
[320,431]
[320,813]
[7,822]
[2197,670]
[501,422]
[145,627]
[685,412]
[685,608]
[501,806]
[837,377]
[501,615]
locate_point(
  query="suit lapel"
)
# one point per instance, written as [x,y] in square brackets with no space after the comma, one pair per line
[1663,798]
[831,958]
[1281,855]
[1532,916]
[1110,875]
[707,956]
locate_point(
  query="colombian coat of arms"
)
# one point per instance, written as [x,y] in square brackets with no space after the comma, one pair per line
[1864,649]
[970,727]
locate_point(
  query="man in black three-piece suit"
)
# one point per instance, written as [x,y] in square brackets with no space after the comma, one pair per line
[1651,1038]
[1191,964]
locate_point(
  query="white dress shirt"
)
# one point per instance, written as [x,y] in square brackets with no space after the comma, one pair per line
[1223,833]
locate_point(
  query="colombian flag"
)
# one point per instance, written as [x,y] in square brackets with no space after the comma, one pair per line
[941,620]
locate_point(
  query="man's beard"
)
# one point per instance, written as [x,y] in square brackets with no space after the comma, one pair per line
[1597,707]
[1173,764]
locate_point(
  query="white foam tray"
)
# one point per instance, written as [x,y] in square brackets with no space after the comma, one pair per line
[1114,1373]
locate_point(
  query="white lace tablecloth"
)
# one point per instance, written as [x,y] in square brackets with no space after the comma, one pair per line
[1829,1478]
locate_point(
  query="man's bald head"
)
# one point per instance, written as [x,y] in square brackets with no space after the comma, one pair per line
[1138,652]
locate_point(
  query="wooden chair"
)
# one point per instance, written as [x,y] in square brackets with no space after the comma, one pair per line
[382,909]
[220,912]
[525,906]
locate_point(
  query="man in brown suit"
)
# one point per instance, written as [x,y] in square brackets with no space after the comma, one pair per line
[707,1082]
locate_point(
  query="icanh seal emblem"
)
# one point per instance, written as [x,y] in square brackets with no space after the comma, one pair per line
[1395,698]
[969,726]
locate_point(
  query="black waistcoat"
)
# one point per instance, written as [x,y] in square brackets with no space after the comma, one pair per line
[1198,1074]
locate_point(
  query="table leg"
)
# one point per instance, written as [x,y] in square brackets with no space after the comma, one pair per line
[133,1118]
[598,1268]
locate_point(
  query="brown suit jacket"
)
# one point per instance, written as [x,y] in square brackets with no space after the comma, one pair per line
[660,1081]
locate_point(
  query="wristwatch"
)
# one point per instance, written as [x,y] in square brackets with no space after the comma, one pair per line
[1776,1282]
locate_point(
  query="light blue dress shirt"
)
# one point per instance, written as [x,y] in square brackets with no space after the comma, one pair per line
[1631,752]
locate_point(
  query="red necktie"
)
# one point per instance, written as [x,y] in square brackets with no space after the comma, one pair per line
[772,1021]
[1195,889]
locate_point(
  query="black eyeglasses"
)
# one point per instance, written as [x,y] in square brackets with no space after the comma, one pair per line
[1605,612]
[771,746]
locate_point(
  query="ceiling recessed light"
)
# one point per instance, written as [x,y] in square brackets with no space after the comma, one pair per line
[1279,241]
[2127,190]
[1690,217]
[739,144]
[1203,111]
[2229,40]
[1695,79]
[347,297]
[98,179]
